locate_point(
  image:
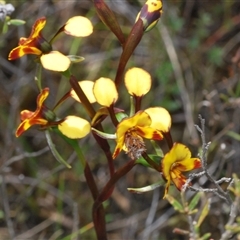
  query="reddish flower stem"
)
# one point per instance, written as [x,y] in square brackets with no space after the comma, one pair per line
[99,213]
[132,41]
[168,138]
[138,101]
[80,93]
[91,111]
[107,190]
[112,115]
[151,162]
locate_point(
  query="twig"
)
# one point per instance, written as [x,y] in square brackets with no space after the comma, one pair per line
[25,155]
[203,156]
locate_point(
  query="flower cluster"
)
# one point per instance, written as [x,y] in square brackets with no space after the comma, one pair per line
[131,130]
[36,44]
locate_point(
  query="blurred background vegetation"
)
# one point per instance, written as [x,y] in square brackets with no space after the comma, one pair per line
[193,56]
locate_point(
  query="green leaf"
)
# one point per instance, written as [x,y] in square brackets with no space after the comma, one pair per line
[234,135]
[120,116]
[54,150]
[157,149]
[206,236]
[204,213]
[75,59]
[74,144]
[147,188]
[194,201]
[176,205]
[154,158]
[16,22]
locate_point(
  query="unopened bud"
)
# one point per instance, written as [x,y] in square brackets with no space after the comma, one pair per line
[150,14]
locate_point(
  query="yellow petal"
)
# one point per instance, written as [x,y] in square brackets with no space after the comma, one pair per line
[149,133]
[189,164]
[160,117]
[87,87]
[138,81]
[55,61]
[150,13]
[37,28]
[137,121]
[154,5]
[105,91]
[42,97]
[74,127]
[178,153]
[140,119]
[78,26]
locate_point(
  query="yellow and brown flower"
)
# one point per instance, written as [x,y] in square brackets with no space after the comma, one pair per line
[176,161]
[36,44]
[71,126]
[131,131]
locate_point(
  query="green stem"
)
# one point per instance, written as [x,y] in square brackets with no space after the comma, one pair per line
[132,107]
[38,76]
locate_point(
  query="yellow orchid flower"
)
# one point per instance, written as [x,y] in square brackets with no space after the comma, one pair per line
[36,44]
[30,118]
[71,126]
[130,133]
[176,161]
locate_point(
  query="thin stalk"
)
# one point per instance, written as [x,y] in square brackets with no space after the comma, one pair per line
[151,162]
[168,138]
[112,115]
[84,100]
[105,193]
[131,43]
[138,101]
[38,77]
